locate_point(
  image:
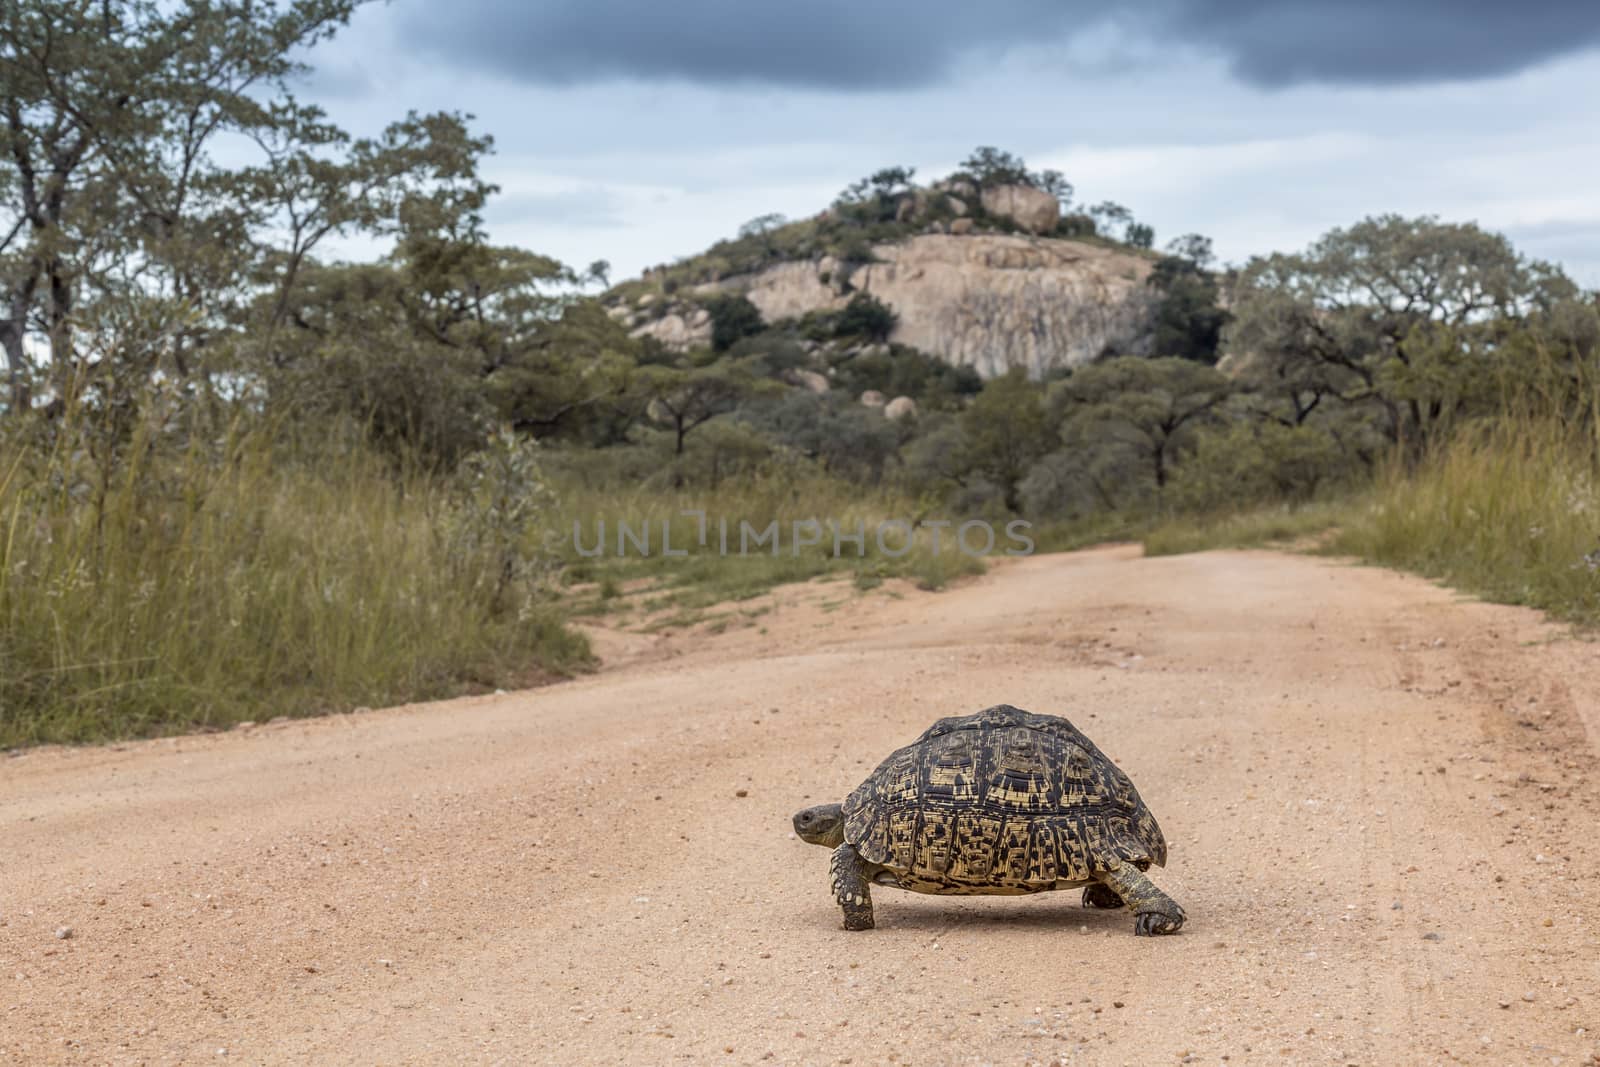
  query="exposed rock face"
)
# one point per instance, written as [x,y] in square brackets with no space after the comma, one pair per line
[961,227]
[901,407]
[873,399]
[991,301]
[1033,209]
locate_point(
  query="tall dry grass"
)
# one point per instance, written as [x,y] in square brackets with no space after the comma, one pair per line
[149,585]
[1509,510]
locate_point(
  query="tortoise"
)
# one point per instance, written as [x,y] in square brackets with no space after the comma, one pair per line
[1000,801]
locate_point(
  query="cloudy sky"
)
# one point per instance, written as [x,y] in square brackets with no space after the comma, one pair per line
[639,131]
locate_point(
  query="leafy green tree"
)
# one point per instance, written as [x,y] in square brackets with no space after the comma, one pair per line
[113,196]
[877,197]
[1251,461]
[1194,249]
[1188,314]
[1003,432]
[1395,313]
[1151,406]
[685,398]
[866,316]
[1139,235]
[108,108]
[761,230]
[1055,183]
[843,437]
[733,317]
[991,166]
[1110,217]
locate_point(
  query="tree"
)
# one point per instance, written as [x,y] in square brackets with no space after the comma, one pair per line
[112,195]
[1188,316]
[684,398]
[991,166]
[733,317]
[844,437]
[1148,405]
[866,316]
[1004,430]
[1194,249]
[1399,314]
[892,181]
[762,225]
[877,197]
[1056,184]
[760,230]
[1139,235]
[1110,216]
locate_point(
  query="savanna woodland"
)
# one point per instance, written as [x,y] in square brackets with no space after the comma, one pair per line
[241,477]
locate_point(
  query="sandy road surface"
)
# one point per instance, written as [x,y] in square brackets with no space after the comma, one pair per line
[1380,799]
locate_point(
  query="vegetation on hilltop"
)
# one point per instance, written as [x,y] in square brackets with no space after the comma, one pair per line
[888,205]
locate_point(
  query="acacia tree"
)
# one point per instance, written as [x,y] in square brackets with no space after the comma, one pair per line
[1003,432]
[685,398]
[1399,314]
[115,209]
[1149,406]
[992,166]
[109,108]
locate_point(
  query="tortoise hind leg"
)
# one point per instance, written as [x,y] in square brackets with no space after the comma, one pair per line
[1101,895]
[1154,911]
[851,887]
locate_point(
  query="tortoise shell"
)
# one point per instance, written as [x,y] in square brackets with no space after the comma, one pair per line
[1001,801]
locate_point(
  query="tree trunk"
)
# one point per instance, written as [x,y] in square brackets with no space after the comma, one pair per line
[17,367]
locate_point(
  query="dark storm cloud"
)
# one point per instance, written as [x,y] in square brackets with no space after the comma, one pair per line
[1379,42]
[875,44]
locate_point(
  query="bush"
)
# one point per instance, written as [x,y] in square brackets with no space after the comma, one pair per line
[866,316]
[733,317]
[1243,464]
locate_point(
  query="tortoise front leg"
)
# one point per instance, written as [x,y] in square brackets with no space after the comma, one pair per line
[851,888]
[1155,912]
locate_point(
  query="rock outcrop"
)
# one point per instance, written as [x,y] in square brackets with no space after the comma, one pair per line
[990,301]
[1033,209]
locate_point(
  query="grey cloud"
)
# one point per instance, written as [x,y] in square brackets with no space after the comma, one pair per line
[1386,42]
[823,44]
[898,44]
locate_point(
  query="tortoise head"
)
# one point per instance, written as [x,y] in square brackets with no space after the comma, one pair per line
[821,825]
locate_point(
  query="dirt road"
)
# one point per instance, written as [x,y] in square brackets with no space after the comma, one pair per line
[1380,800]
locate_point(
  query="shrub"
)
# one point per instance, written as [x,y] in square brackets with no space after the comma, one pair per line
[866,316]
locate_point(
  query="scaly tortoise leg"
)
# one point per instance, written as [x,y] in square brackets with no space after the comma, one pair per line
[1156,913]
[851,888]
[1100,895]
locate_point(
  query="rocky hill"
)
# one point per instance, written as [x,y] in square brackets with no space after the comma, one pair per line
[978,277]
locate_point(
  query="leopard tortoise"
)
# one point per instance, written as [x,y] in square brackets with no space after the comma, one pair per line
[1001,801]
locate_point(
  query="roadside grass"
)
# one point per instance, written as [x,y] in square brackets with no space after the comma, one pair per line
[745,544]
[1509,512]
[184,587]
[1278,525]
